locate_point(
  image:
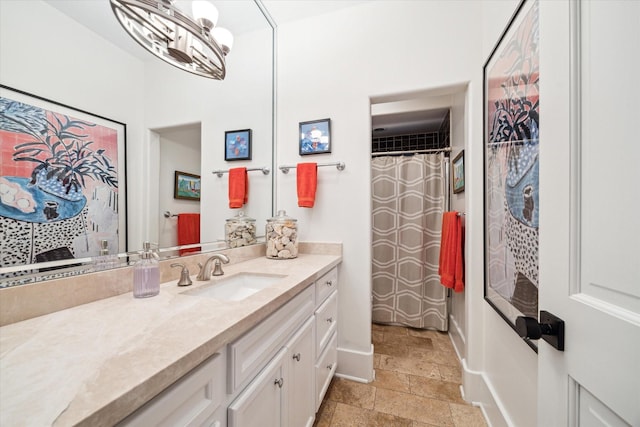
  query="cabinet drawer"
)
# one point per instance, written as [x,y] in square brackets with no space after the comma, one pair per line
[325,368]
[248,354]
[188,402]
[326,284]
[326,321]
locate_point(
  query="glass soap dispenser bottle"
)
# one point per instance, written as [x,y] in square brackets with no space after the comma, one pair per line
[105,261]
[146,274]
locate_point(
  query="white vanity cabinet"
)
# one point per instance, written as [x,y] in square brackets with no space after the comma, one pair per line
[326,321]
[274,375]
[194,400]
[262,403]
[282,394]
[290,389]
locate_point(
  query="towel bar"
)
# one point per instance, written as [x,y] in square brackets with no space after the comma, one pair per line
[265,170]
[339,165]
[168,214]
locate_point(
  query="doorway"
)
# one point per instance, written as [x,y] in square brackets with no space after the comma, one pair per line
[410,190]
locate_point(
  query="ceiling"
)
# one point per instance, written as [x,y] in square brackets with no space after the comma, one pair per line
[424,121]
[238,18]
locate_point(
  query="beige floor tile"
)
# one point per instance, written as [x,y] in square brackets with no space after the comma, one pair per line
[391,350]
[325,413]
[418,377]
[390,329]
[376,361]
[377,337]
[409,365]
[392,381]
[450,373]
[350,416]
[422,409]
[433,356]
[423,343]
[435,389]
[428,333]
[467,416]
[352,393]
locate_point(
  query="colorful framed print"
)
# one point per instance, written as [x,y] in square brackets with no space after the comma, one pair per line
[315,137]
[237,145]
[62,189]
[186,186]
[457,172]
[511,184]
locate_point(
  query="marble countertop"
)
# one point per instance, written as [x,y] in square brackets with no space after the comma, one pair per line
[95,363]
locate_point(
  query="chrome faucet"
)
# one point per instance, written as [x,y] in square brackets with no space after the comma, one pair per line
[205,271]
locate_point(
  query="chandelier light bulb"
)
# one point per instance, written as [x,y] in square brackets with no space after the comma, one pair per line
[205,13]
[224,38]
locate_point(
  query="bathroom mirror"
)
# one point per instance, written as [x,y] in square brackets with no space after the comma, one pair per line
[76,54]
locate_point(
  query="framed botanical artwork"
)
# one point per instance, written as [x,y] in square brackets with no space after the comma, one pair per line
[511,183]
[315,137]
[186,186]
[457,172]
[237,144]
[62,189]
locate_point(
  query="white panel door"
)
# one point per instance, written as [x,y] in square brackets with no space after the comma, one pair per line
[590,211]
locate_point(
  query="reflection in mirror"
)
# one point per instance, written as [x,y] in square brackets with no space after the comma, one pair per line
[100,69]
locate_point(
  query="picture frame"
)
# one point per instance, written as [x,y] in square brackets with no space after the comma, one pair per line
[511,171]
[186,186]
[315,137]
[457,173]
[237,145]
[67,169]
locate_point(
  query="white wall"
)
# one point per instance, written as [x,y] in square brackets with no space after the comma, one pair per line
[241,101]
[459,136]
[377,50]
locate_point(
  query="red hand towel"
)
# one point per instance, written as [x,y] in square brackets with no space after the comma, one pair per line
[451,264]
[307,180]
[188,231]
[238,187]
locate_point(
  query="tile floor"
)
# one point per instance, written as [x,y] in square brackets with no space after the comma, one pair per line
[417,384]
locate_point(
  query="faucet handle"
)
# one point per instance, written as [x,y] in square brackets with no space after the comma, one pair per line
[185,280]
[217,268]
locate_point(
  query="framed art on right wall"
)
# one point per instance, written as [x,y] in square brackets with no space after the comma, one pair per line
[457,172]
[511,172]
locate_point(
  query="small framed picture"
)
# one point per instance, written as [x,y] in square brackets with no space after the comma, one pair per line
[315,137]
[457,172]
[187,186]
[237,145]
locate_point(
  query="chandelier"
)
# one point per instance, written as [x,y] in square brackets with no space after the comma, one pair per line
[191,43]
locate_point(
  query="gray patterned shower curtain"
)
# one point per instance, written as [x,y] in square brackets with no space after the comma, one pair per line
[409,197]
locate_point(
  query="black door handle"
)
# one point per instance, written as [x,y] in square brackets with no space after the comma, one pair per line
[550,328]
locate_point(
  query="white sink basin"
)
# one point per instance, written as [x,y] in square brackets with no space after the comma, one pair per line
[236,287]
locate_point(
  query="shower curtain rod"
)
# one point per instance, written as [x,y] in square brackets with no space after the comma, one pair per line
[394,153]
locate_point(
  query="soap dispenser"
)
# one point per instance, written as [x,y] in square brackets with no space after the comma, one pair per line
[146,274]
[105,261]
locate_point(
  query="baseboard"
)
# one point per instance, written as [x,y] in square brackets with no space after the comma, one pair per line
[477,390]
[355,365]
[457,337]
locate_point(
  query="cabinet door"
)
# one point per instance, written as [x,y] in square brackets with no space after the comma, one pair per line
[300,377]
[261,403]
